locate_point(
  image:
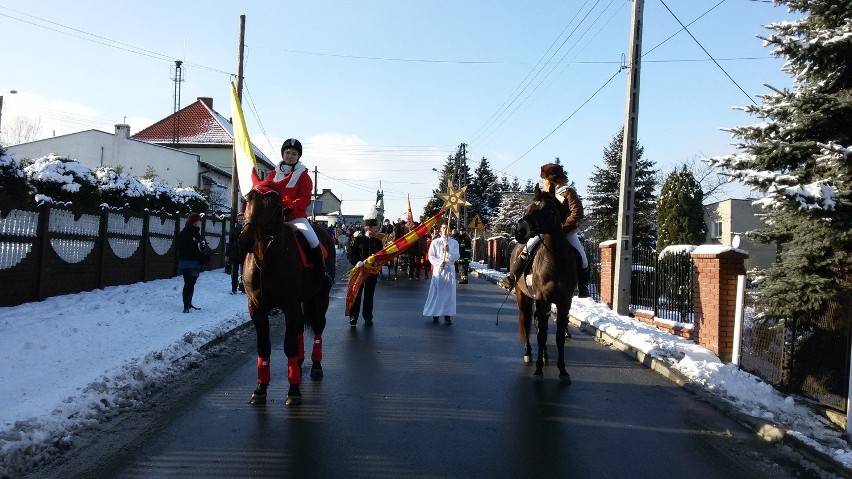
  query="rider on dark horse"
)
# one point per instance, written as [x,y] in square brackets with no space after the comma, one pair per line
[296,188]
[555,181]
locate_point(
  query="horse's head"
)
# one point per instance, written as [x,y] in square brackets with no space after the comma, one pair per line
[263,215]
[544,216]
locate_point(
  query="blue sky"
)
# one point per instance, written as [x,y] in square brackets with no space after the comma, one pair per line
[383,91]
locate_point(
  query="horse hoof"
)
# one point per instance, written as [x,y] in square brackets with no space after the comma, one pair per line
[538,377]
[528,358]
[316,372]
[565,378]
[258,397]
[294,400]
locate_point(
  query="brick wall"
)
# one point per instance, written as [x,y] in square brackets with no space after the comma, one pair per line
[607,271]
[716,271]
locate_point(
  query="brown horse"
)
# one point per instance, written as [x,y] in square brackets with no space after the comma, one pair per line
[276,276]
[551,279]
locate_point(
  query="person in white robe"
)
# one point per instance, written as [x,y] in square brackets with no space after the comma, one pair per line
[441,300]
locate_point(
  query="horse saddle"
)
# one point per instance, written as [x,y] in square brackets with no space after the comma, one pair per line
[303,247]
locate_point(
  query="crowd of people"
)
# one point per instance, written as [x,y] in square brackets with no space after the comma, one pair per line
[443,254]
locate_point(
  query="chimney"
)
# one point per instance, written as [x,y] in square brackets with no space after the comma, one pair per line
[207,101]
[122,131]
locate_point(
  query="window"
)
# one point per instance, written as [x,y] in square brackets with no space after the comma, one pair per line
[717,230]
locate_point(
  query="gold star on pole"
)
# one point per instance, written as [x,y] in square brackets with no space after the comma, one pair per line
[453,198]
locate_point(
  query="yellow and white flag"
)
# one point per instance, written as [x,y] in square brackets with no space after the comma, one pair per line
[243,149]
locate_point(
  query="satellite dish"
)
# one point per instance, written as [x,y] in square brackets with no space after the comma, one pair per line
[735,241]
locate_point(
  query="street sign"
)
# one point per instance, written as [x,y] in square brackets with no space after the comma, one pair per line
[476,223]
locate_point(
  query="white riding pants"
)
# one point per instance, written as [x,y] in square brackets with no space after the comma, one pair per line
[571,237]
[303,225]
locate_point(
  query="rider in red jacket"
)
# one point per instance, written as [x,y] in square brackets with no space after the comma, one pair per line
[293,182]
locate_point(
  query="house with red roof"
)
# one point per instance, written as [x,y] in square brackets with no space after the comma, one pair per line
[199,129]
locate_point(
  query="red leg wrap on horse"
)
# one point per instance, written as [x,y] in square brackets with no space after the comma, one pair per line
[316,354]
[301,340]
[263,373]
[294,371]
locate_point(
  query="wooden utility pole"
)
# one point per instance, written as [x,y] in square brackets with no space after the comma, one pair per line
[624,234]
[235,185]
[314,204]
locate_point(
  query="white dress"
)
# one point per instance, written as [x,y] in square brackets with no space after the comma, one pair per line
[441,300]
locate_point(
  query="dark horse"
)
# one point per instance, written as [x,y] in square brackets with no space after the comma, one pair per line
[276,276]
[551,279]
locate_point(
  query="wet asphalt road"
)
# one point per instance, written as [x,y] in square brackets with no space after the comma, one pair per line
[409,398]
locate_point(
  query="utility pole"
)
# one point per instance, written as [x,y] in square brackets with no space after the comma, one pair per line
[624,234]
[314,205]
[235,185]
[464,180]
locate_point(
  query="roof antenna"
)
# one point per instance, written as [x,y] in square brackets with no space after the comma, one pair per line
[177,77]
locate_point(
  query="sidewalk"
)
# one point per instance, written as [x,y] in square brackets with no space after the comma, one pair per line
[746,398]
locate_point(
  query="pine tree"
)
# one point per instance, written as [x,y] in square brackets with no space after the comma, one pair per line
[512,207]
[455,172]
[680,212]
[799,157]
[601,202]
[482,193]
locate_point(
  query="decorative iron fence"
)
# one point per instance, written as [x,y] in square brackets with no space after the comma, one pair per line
[51,250]
[593,254]
[663,284]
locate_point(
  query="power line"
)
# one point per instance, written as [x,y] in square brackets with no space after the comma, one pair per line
[552,69]
[91,37]
[708,53]
[522,86]
[564,121]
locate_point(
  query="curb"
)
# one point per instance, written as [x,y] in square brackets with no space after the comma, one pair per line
[766,430]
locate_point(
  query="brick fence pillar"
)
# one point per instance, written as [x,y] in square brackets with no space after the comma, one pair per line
[716,271]
[607,271]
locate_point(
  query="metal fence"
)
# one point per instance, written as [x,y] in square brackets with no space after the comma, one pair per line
[663,284]
[808,356]
[593,254]
[51,250]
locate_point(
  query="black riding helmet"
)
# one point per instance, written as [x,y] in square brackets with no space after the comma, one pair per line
[292,143]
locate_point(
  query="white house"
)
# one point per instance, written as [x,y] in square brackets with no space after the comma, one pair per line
[192,147]
[736,218]
[95,148]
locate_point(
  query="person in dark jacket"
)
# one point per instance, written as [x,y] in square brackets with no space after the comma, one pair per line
[191,247]
[361,248]
[235,256]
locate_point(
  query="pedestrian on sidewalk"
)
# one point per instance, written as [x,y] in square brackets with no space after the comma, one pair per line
[443,254]
[191,249]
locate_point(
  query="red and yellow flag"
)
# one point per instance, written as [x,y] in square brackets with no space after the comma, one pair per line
[373,264]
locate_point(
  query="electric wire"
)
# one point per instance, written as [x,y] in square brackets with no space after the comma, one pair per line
[708,54]
[522,86]
[525,101]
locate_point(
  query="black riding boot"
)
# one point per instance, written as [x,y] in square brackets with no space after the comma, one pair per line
[319,264]
[508,282]
[583,283]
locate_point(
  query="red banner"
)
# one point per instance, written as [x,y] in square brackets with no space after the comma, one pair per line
[373,264]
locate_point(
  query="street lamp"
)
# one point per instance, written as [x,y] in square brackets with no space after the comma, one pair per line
[1,106]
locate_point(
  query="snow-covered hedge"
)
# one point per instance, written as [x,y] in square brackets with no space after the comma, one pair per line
[59,179]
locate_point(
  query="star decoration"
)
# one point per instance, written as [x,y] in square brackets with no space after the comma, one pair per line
[453,198]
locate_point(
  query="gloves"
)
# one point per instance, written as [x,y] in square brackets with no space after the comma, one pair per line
[360,264]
